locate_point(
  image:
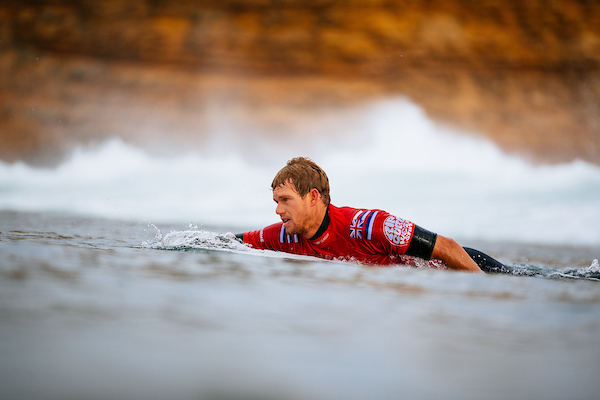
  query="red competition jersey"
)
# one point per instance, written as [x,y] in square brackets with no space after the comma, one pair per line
[366,236]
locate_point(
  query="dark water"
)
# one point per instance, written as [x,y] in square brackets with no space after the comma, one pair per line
[88,312]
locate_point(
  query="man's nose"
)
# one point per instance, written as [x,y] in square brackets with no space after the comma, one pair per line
[279,209]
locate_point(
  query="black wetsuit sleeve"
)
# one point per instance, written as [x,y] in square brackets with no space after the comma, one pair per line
[487,263]
[422,243]
[240,237]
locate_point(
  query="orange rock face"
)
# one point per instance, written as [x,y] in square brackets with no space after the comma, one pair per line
[524,73]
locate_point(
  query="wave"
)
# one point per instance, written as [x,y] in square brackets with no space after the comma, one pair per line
[391,157]
[197,239]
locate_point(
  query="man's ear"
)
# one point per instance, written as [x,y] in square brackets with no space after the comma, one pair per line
[315,195]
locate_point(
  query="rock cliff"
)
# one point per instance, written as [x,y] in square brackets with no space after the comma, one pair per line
[524,73]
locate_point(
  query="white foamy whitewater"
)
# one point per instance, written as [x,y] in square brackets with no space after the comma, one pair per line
[387,155]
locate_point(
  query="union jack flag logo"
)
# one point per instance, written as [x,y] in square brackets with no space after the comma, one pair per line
[356,228]
[361,225]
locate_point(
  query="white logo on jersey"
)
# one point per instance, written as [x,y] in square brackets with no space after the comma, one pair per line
[322,240]
[397,230]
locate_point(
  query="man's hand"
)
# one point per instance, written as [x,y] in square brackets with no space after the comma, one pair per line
[453,255]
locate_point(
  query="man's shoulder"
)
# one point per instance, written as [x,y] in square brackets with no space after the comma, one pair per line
[357,223]
[376,226]
[352,213]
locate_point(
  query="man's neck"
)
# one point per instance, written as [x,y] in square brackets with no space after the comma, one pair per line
[321,222]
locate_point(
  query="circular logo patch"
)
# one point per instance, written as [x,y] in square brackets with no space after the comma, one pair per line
[397,230]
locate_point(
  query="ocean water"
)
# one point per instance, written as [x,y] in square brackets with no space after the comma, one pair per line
[119,277]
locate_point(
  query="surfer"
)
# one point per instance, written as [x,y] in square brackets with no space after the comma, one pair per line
[311,225]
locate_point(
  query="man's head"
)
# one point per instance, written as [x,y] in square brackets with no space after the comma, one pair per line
[305,175]
[301,191]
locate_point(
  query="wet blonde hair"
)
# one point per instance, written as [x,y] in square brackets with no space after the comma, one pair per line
[305,175]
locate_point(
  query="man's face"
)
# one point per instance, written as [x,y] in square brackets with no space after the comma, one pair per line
[293,210]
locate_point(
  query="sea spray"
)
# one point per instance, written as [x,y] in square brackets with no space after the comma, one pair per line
[196,239]
[592,272]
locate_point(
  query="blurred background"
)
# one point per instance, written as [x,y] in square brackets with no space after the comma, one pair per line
[478,119]
[166,75]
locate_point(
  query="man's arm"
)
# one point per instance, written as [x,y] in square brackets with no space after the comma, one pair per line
[453,255]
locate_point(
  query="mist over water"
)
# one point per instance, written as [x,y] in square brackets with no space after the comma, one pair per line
[386,155]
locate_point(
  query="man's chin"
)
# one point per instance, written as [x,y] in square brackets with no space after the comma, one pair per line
[290,230]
